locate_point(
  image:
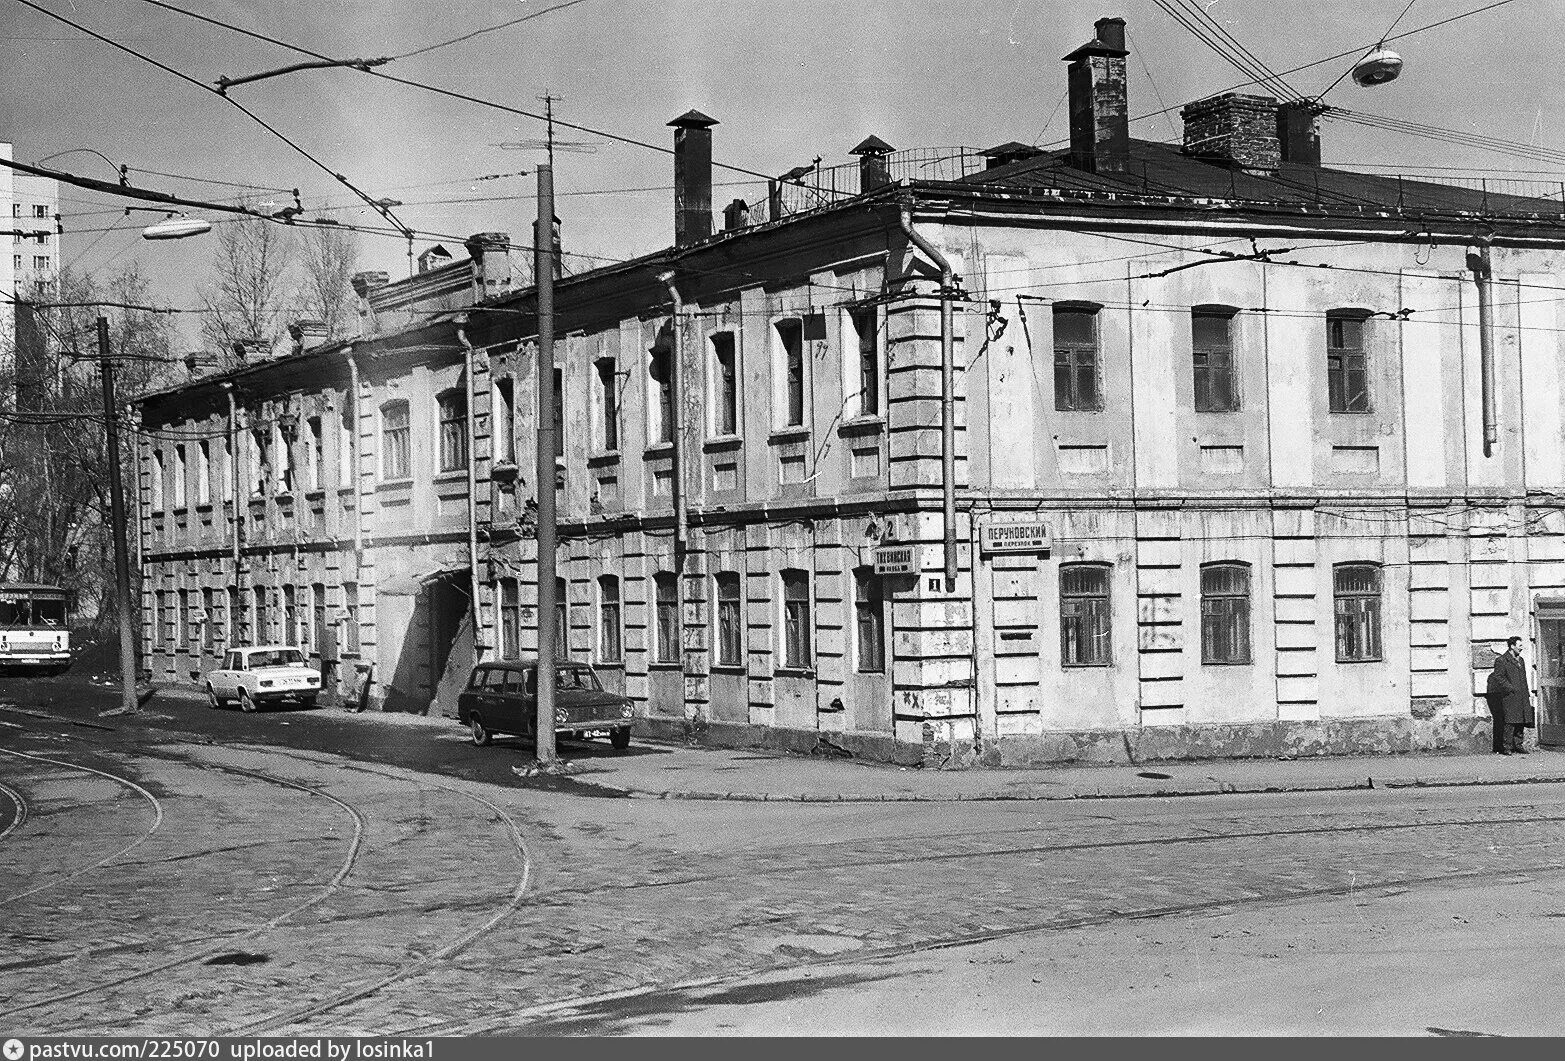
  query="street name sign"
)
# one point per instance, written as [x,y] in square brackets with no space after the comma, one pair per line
[1015,536]
[896,560]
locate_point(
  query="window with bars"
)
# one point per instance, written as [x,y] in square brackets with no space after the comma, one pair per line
[395,438]
[1084,616]
[725,385]
[510,619]
[798,633]
[608,404]
[730,620]
[610,648]
[866,334]
[1212,353]
[790,353]
[869,614]
[666,608]
[1225,613]
[1076,373]
[1347,378]
[453,430]
[1356,590]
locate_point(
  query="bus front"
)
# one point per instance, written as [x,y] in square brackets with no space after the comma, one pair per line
[34,634]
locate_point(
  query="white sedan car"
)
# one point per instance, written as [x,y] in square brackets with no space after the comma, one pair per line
[263,674]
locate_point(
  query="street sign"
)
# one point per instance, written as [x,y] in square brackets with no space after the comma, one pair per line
[896,560]
[1018,536]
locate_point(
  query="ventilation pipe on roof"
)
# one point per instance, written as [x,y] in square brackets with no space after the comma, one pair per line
[1100,101]
[947,390]
[1298,131]
[873,169]
[692,177]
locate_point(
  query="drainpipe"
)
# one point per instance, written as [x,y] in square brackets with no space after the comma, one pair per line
[1483,274]
[676,385]
[947,390]
[233,477]
[356,471]
[472,488]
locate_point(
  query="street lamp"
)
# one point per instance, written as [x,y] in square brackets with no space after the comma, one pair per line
[176,227]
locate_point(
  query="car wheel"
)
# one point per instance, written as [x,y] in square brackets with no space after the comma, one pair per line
[246,701]
[212,698]
[620,737]
[308,702]
[481,735]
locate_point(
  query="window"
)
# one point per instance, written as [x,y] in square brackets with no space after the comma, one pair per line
[1076,385]
[1356,588]
[235,619]
[290,616]
[179,476]
[16,261]
[730,621]
[395,459]
[314,454]
[187,632]
[1347,382]
[260,629]
[315,632]
[285,440]
[225,480]
[40,261]
[725,385]
[1084,615]
[661,387]
[170,630]
[1225,613]
[345,471]
[260,459]
[667,617]
[203,472]
[867,339]
[609,650]
[790,339]
[156,485]
[608,404]
[208,618]
[562,619]
[797,631]
[350,610]
[453,430]
[510,619]
[504,422]
[1216,388]
[40,211]
[155,598]
[869,615]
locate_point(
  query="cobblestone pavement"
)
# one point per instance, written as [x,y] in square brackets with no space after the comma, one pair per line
[275,889]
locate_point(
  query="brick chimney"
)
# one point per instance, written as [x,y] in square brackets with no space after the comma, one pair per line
[873,170]
[491,256]
[1235,129]
[1100,101]
[692,177]
[1298,132]
[365,284]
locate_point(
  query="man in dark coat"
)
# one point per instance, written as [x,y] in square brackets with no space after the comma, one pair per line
[1509,701]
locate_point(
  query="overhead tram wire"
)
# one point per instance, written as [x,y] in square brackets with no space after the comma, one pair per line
[1234,54]
[1381,44]
[384,211]
[489,29]
[1216,27]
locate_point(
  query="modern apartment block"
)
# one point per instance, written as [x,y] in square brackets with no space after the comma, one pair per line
[1004,456]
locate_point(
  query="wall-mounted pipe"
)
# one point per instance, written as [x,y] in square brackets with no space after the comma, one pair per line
[472,490]
[353,446]
[947,389]
[1483,275]
[233,480]
[676,407]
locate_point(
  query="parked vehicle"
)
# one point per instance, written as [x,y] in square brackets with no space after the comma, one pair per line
[264,674]
[502,697]
[34,635]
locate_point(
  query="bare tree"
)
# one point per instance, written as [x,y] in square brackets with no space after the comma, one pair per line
[329,259]
[247,301]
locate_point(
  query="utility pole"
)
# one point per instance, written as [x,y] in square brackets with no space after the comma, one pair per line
[117,518]
[548,528]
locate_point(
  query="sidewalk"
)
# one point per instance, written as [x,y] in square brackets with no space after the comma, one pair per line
[654,771]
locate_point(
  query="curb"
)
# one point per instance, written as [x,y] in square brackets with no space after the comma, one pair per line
[1217,789]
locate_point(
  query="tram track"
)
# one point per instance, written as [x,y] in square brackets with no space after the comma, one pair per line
[19,803]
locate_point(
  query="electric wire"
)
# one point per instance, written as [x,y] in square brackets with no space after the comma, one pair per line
[489,29]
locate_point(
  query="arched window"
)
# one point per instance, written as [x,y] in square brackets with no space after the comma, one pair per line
[1225,613]
[1347,375]
[1356,590]
[453,429]
[1084,615]
[395,450]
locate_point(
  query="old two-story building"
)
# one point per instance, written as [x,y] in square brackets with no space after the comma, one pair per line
[1008,456]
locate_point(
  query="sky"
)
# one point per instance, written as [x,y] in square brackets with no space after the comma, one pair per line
[787,79]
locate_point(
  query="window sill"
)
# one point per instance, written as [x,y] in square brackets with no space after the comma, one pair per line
[862,425]
[1377,659]
[503,470]
[729,668]
[793,672]
[205,506]
[1350,412]
[664,665]
[394,484]
[180,511]
[1087,666]
[1227,663]
[658,449]
[789,434]
[606,457]
[314,495]
[283,495]
[609,664]
[722,442]
[452,475]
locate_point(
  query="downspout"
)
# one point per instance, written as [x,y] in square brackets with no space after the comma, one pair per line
[233,479]
[676,406]
[947,390]
[353,446]
[472,489]
[1483,274]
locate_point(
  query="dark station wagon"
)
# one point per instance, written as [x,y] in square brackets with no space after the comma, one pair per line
[502,697]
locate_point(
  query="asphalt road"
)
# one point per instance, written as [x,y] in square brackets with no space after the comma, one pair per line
[200,872]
